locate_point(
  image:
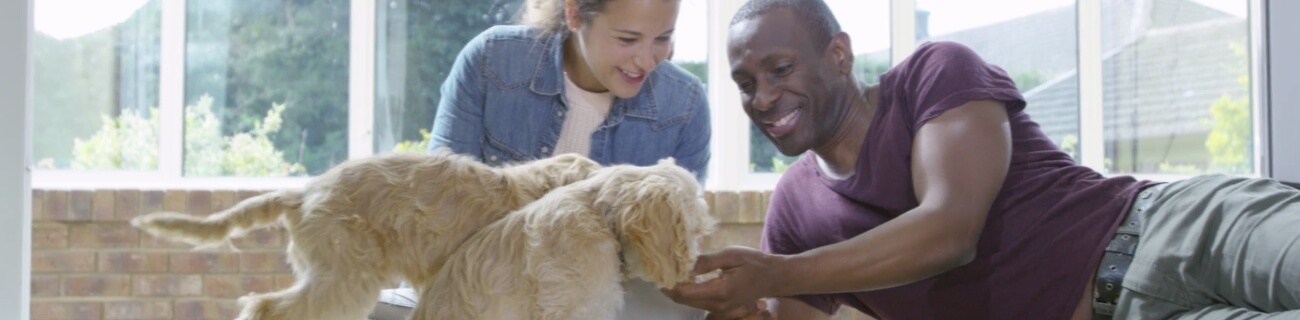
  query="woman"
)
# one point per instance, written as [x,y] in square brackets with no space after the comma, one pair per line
[581,76]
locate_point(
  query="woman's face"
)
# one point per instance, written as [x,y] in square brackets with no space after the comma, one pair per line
[622,44]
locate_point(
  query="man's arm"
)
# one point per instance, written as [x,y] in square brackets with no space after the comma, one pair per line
[959,161]
[794,309]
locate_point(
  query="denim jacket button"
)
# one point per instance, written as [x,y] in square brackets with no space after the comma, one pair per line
[492,158]
[545,149]
[559,113]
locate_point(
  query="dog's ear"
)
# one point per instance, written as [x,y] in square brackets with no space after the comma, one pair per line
[650,217]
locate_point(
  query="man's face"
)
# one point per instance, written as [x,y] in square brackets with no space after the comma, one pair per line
[785,84]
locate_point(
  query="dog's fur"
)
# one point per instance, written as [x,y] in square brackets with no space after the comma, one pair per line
[357,228]
[559,257]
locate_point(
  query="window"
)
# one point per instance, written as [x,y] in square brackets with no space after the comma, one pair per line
[176,91]
[417,42]
[96,85]
[266,85]
[1176,77]
[867,23]
[1036,43]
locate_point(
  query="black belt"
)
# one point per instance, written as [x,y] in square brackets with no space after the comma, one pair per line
[1119,254]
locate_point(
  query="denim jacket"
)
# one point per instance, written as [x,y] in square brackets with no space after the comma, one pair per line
[503,102]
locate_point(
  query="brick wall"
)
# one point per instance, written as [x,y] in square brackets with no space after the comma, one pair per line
[88,263]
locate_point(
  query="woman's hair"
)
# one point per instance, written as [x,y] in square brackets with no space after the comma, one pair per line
[549,14]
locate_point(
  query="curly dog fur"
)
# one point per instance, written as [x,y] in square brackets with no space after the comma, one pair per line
[559,257]
[357,228]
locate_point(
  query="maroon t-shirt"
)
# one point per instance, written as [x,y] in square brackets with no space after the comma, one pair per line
[1047,226]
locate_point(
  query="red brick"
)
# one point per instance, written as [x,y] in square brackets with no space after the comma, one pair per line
[206,309]
[97,285]
[234,286]
[176,200]
[66,310]
[126,205]
[62,261]
[204,262]
[138,310]
[102,204]
[104,235]
[151,201]
[167,285]
[46,286]
[79,205]
[224,199]
[55,207]
[148,241]
[132,262]
[263,262]
[200,202]
[49,235]
[262,238]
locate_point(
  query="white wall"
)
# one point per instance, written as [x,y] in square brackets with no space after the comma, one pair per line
[15,180]
[1284,88]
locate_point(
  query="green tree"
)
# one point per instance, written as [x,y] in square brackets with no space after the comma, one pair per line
[1230,126]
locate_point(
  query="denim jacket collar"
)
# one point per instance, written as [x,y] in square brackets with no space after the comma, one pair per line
[548,79]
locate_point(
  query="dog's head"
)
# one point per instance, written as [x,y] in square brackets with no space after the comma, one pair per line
[660,217]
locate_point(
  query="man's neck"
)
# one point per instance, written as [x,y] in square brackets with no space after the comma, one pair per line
[841,154]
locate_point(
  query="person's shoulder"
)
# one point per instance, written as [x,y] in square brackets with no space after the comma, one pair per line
[945,52]
[524,33]
[800,176]
[671,80]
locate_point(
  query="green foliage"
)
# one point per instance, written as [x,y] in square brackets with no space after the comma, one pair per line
[1070,145]
[1027,79]
[126,143]
[421,146]
[130,142]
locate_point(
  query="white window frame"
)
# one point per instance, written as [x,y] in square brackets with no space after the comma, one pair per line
[729,167]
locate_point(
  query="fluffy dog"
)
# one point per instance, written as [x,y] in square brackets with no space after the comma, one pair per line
[565,255]
[359,226]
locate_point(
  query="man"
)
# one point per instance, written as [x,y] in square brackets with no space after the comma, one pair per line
[934,195]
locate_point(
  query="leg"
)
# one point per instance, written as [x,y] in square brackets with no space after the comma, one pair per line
[339,276]
[1217,246]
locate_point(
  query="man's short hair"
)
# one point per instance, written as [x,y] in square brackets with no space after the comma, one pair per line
[814,14]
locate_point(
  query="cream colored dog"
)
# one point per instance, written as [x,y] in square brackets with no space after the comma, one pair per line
[559,257]
[357,228]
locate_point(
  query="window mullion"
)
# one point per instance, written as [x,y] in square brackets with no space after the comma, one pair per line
[171,89]
[361,79]
[1091,126]
[902,26]
[729,164]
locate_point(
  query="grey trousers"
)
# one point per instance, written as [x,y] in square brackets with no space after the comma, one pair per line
[1217,247]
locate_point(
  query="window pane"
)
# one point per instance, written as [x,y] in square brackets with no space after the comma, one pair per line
[690,39]
[266,87]
[867,24]
[418,40]
[96,84]
[1177,87]
[1036,43]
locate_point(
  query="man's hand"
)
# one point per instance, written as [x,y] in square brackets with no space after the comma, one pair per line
[745,275]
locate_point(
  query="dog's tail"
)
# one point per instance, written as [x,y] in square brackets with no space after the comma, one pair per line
[216,229]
